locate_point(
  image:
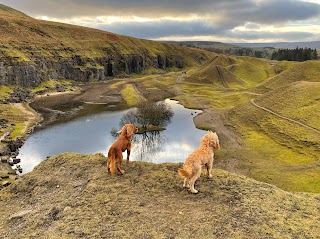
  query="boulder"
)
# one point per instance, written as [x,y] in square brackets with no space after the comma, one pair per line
[6,183]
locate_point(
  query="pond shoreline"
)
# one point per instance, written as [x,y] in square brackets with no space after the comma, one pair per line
[104,97]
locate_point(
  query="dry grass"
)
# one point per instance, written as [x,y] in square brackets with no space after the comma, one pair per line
[79,199]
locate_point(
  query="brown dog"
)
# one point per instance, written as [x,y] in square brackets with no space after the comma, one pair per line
[120,145]
[203,155]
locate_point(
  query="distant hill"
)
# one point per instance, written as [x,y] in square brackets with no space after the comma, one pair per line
[33,50]
[227,48]
[289,45]
[204,44]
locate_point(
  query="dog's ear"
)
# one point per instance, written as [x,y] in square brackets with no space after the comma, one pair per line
[216,144]
[122,130]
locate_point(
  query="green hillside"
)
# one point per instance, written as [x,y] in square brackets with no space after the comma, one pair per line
[278,150]
[299,100]
[214,73]
[252,70]
[233,72]
[305,71]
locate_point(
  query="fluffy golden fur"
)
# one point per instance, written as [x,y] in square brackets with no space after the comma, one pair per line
[203,155]
[123,143]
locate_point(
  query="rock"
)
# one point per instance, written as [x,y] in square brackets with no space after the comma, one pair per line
[6,183]
[20,214]
[4,151]
[38,69]
[16,160]
[18,168]
[3,122]
[4,159]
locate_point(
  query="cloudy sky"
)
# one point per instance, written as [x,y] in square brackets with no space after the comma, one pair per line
[213,20]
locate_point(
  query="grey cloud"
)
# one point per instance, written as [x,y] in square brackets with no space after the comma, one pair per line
[215,17]
[273,11]
[145,8]
[169,28]
[165,28]
[264,11]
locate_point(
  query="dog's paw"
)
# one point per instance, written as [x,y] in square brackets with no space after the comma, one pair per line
[210,176]
[122,172]
[194,191]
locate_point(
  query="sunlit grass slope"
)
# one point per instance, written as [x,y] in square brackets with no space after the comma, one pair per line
[304,71]
[234,72]
[279,151]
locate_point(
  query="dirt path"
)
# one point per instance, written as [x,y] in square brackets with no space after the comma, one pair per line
[283,117]
[33,117]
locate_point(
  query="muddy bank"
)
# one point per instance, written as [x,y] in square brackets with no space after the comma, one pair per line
[89,99]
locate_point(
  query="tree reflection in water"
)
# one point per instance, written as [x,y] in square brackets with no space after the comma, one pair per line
[149,117]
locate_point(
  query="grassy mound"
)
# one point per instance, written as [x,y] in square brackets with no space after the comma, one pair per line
[72,196]
[299,101]
[214,74]
[305,71]
[251,72]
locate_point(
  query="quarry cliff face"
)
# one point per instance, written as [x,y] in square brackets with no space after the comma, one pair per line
[31,73]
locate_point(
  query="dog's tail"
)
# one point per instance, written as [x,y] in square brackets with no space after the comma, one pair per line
[112,161]
[183,173]
[112,164]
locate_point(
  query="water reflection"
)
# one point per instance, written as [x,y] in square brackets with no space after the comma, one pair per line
[150,117]
[148,114]
[91,134]
[148,144]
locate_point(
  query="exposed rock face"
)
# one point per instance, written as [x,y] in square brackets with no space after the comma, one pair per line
[31,73]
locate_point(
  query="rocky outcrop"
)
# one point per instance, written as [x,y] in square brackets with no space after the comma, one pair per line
[31,73]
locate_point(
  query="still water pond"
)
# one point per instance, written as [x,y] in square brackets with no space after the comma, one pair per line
[92,134]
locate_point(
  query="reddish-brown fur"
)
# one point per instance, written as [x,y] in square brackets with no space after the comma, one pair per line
[203,155]
[123,143]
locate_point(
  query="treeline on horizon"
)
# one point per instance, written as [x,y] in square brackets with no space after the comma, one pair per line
[298,54]
[263,53]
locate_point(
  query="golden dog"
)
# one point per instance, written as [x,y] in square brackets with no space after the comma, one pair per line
[203,155]
[123,143]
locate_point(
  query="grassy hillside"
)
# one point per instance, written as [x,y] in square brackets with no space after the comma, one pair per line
[72,196]
[304,71]
[24,38]
[6,11]
[278,150]
[299,100]
[234,72]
